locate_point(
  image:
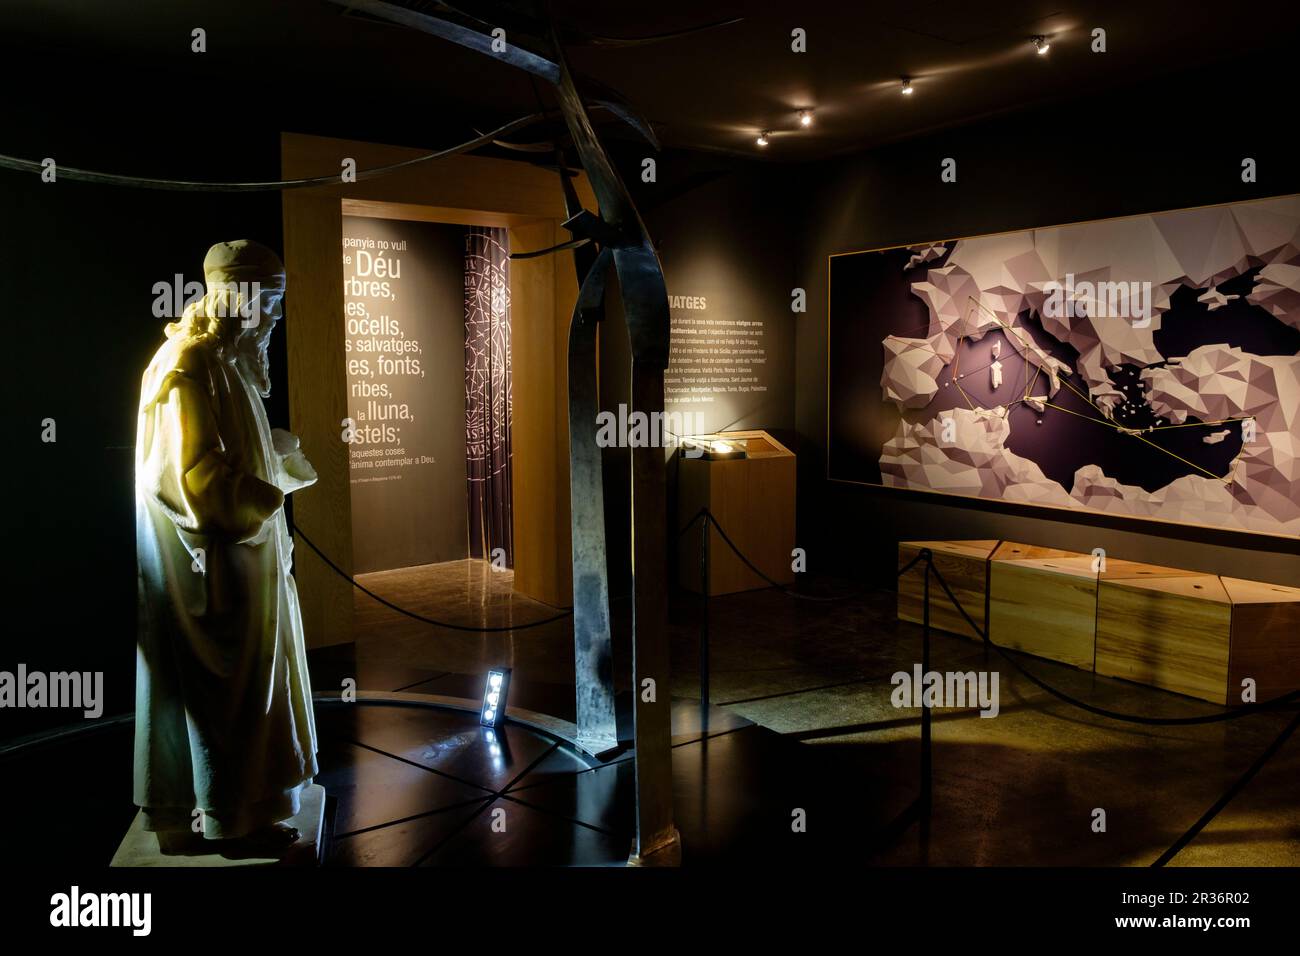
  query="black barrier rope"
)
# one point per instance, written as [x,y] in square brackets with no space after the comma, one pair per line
[1177,847]
[1242,711]
[707,515]
[412,614]
[1228,794]
[182,185]
[927,556]
[923,801]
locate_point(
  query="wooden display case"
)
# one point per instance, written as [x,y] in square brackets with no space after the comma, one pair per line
[753,498]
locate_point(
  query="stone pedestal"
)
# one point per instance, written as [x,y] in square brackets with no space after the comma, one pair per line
[140,847]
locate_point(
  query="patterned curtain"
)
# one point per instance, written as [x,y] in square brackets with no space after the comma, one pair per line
[487,391]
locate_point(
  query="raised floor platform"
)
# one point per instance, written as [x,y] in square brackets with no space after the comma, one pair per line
[140,847]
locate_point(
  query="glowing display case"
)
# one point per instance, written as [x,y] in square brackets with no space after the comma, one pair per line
[747,481]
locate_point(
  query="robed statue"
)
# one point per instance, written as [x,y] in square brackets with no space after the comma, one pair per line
[225,738]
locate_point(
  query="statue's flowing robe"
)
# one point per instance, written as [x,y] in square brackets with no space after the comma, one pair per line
[224,720]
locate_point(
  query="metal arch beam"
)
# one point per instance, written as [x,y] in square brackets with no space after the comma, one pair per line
[521,49]
[593,646]
[509,15]
[645,305]
[624,236]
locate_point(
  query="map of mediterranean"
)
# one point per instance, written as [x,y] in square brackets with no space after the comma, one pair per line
[1146,366]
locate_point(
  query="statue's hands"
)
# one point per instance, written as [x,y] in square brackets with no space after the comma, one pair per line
[295,470]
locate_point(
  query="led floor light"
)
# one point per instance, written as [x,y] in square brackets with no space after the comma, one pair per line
[494,696]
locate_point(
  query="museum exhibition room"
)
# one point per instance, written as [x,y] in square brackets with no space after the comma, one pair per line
[615,452]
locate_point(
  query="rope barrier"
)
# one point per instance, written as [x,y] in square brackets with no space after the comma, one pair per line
[181,185]
[926,555]
[1228,794]
[412,614]
[1177,846]
[708,516]
[923,801]
[1244,711]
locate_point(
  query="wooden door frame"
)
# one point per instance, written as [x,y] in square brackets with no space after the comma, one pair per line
[468,190]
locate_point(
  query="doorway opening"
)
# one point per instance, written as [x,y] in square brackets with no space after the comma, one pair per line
[427,350]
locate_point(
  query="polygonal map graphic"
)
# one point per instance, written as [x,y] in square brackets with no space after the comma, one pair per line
[1147,366]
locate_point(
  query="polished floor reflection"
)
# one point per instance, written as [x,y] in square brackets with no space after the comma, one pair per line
[424,786]
[1015,790]
[801,727]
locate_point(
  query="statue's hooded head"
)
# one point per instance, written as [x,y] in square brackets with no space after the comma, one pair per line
[245,283]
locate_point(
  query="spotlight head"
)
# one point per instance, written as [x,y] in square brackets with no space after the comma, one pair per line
[494,696]
[1042,45]
[907,87]
[762,138]
[805,117]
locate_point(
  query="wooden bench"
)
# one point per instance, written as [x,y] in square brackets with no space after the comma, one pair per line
[1170,632]
[1043,601]
[1183,631]
[1265,642]
[964,566]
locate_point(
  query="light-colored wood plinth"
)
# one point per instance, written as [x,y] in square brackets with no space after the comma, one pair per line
[1168,632]
[1117,569]
[1019,551]
[753,498]
[140,847]
[1265,638]
[964,566]
[1046,606]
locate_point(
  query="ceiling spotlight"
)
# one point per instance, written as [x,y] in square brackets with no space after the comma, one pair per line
[907,87]
[762,138]
[805,117]
[494,696]
[1041,45]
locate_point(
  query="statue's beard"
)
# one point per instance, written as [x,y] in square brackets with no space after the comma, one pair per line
[253,361]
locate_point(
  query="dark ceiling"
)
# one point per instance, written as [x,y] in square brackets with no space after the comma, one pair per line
[713,90]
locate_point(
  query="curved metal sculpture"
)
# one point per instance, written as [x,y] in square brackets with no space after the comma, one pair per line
[617,236]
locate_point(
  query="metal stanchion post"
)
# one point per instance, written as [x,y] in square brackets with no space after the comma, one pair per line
[704,621]
[925,714]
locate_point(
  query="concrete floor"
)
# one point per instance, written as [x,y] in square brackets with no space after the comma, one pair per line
[1017,789]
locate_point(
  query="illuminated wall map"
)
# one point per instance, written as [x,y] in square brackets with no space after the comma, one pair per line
[1147,366]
